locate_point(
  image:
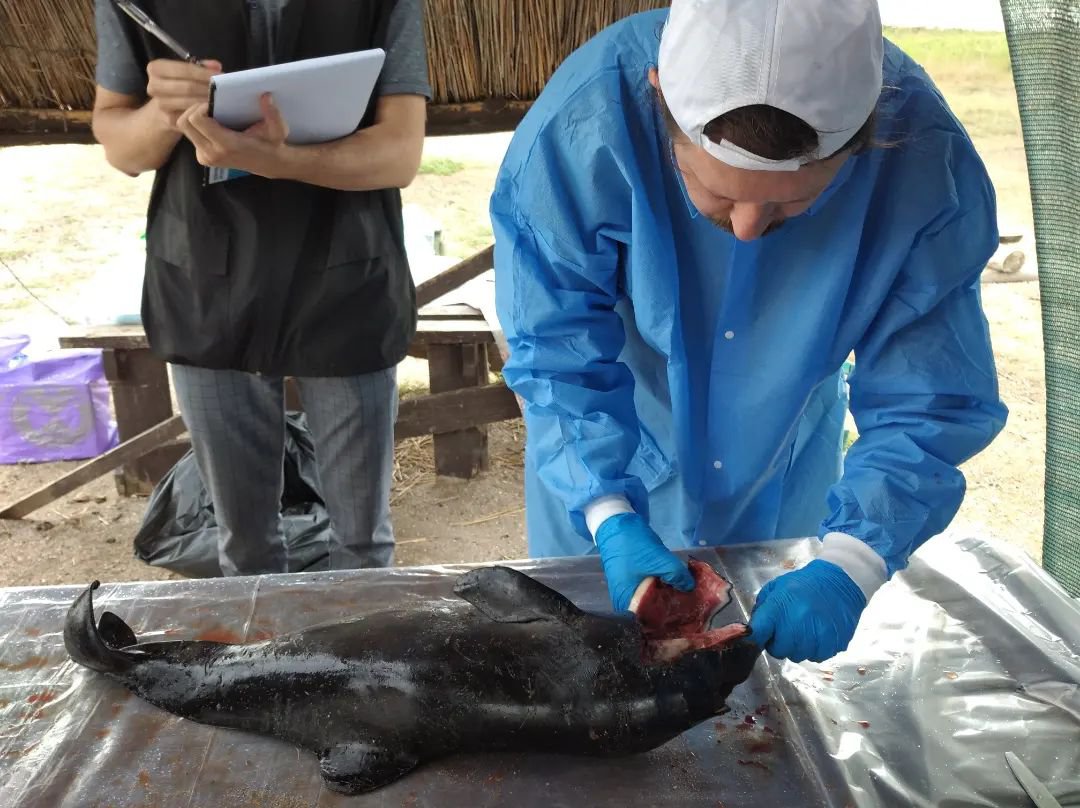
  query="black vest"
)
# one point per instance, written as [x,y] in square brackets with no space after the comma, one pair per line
[273,276]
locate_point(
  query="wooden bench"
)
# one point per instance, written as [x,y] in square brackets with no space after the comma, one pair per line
[454,339]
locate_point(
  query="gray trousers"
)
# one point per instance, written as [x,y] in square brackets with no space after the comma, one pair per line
[237,425]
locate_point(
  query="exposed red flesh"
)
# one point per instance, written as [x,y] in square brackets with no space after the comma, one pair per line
[674,623]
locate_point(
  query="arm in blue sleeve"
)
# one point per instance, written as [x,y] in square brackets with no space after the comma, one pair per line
[556,304]
[924,394]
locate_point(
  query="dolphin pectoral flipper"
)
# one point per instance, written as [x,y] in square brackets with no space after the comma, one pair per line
[358,767]
[508,596]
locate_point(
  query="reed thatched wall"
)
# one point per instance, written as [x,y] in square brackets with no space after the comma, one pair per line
[487,58]
[47,53]
[509,48]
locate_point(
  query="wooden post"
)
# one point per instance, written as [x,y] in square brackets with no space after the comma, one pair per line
[293,401]
[455,277]
[455,410]
[462,453]
[140,390]
[474,118]
[88,472]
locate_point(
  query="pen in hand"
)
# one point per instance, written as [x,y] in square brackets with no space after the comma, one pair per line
[143,21]
[175,86]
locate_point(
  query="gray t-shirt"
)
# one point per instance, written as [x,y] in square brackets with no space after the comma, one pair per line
[404,72]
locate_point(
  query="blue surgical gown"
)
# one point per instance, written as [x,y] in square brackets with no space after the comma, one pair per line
[660,358]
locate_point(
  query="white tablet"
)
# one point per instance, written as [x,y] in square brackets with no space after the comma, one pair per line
[321,99]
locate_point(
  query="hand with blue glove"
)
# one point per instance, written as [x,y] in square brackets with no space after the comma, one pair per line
[632,552]
[808,614]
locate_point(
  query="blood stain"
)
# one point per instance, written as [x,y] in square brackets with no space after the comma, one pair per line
[762,710]
[749,720]
[864,724]
[41,698]
[760,747]
[768,730]
[102,733]
[144,778]
[33,632]
[222,635]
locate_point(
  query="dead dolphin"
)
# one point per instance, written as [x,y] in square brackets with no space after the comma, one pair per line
[513,666]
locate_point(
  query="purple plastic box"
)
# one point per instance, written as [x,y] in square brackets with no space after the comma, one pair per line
[54,406]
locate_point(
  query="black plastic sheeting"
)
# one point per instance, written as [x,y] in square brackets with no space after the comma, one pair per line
[179,532]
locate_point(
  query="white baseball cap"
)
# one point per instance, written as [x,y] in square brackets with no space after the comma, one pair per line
[820,60]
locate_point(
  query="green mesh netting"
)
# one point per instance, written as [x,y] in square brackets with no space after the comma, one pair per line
[1044,41]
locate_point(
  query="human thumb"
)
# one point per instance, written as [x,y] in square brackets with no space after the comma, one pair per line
[621,592]
[276,127]
[763,622]
[678,576]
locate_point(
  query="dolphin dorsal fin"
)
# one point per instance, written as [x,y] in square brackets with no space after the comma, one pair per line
[508,596]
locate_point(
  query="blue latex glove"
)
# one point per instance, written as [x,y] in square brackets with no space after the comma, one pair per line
[808,614]
[631,552]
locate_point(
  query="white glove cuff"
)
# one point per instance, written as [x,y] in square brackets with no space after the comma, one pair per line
[600,510]
[865,567]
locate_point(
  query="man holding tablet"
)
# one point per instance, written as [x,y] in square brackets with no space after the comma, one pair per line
[298,269]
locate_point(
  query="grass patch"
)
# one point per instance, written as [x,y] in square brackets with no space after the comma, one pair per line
[15,302]
[412,388]
[13,298]
[984,116]
[474,237]
[11,256]
[441,166]
[984,50]
[959,61]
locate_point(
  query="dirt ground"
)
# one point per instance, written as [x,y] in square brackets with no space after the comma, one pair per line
[70,227]
[89,533]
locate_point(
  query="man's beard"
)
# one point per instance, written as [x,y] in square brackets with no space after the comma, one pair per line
[725,225]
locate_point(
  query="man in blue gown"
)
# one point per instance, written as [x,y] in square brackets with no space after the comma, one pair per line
[706,212]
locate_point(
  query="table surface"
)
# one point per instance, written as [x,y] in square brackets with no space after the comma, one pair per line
[971,652]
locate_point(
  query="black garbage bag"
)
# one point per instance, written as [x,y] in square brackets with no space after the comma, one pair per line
[179,532]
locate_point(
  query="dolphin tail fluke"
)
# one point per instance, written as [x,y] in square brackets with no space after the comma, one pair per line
[85,643]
